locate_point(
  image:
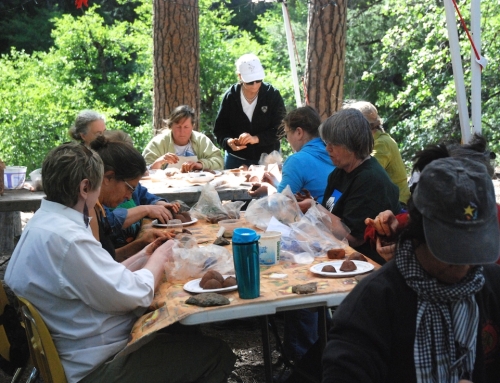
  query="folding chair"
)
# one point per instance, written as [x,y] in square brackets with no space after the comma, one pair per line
[43,352]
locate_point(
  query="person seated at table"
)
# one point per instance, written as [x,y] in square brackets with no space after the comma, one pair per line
[182,147]
[382,231]
[385,149]
[126,219]
[432,314]
[88,301]
[309,167]
[358,187]
[87,127]
[123,168]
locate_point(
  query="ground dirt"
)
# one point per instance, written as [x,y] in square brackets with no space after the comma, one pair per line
[243,337]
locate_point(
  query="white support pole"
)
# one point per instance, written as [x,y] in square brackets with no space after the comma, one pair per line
[458,73]
[475,28]
[291,55]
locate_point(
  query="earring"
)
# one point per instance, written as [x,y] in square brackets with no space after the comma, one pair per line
[86,214]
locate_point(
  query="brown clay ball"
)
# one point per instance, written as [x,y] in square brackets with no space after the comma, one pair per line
[212,284]
[335,253]
[180,216]
[348,266]
[356,257]
[211,274]
[187,216]
[229,281]
[329,269]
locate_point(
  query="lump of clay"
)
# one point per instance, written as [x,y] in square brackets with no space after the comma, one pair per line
[207,300]
[229,281]
[348,266]
[212,284]
[211,274]
[336,253]
[307,288]
[329,269]
[356,257]
[221,241]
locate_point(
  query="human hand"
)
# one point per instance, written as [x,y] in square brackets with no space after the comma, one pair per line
[151,248]
[235,145]
[190,166]
[173,207]
[159,212]
[385,223]
[302,195]
[247,138]
[386,250]
[270,178]
[149,235]
[305,204]
[167,158]
[258,190]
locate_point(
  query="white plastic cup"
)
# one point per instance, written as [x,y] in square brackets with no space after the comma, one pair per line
[269,245]
[14,177]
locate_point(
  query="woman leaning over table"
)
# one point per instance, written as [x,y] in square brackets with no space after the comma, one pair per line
[249,116]
[178,141]
[88,301]
[123,169]
[87,127]
[358,187]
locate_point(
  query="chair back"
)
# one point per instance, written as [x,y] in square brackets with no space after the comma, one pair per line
[42,349]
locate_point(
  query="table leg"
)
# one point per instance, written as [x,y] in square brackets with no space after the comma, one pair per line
[266,348]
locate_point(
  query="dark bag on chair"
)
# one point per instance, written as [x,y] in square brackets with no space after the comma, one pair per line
[19,352]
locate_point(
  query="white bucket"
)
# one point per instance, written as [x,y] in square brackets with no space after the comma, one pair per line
[14,176]
[269,246]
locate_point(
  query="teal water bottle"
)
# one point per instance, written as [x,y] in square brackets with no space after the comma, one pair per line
[246,262]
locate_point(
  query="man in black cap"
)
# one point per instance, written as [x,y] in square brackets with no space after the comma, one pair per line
[433,313]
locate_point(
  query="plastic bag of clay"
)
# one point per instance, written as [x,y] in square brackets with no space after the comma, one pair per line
[193,262]
[283,206]
[272,158]
[209,206]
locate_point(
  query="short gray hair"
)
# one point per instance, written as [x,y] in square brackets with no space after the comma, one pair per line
[178,114]
[369,111]
[350,129]
[81,125]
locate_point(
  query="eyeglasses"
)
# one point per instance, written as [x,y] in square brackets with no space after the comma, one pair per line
[132,189]
[253,82]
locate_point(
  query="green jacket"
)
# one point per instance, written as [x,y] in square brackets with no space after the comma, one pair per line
[386,152]
[208,154]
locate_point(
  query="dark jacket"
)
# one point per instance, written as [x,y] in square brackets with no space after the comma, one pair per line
[231,121]
[373,331]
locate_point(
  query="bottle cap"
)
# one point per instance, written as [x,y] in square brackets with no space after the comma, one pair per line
[245,235]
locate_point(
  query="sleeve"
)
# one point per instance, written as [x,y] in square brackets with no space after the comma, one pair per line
[209,154]
[116,218]
[222,127]
[155,148]
[291,175]
[277,109]
[144,197]
[359,342]
[102,283]
[382,152]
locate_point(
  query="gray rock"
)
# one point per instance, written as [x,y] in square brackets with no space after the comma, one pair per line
[207,300]
[308,288]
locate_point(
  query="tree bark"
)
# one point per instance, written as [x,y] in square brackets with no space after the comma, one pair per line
[327,22]
[176,54]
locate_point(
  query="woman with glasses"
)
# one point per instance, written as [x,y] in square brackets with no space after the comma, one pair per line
[124,167]
[249,116]
[90,302]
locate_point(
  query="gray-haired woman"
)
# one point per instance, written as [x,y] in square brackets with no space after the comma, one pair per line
[87,127]
[358,186]
[88,301]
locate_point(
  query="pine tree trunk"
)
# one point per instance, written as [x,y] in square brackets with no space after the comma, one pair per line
[326,55]
[176,57]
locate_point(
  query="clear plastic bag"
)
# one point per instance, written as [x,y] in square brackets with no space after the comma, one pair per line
[210,208]
[189,261]
[272,158]
[283,206]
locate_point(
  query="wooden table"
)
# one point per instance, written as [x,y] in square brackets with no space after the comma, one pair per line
[276,295]
[24,200]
